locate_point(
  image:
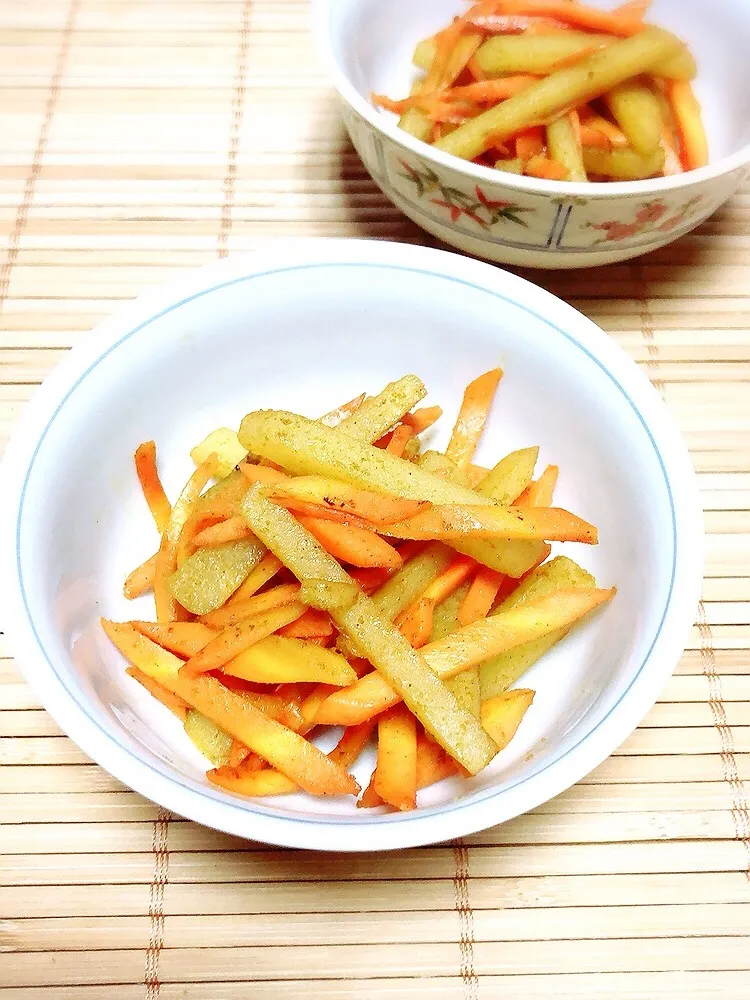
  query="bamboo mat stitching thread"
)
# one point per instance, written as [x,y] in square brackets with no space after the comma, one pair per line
[22,214]
[238,113]
[160,848]
[465,920]
[740,810]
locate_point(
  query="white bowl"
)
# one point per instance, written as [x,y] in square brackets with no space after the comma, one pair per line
[305,330]
[367,47]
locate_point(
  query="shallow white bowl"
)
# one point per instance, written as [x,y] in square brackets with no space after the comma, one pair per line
[367,47]
[305,330]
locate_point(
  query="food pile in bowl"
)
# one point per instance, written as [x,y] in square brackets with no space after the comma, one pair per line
[292,596]
[557,90]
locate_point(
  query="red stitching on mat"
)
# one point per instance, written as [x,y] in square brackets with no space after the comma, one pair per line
[465,920]
[159,879]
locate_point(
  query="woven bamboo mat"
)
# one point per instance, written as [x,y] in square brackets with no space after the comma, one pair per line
[140,137]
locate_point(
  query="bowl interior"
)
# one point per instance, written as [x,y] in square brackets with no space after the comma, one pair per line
[307,338]
[374,40]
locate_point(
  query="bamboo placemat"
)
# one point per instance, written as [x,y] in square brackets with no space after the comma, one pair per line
[140,137]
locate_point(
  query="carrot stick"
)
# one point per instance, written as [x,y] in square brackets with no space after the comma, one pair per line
[433,763]
[395,778]
[455,522]
[261,474]
[153,491]
[422,418]
[516,24]
[415,624]
[235,638]
[546,168]
[313,624]
[238,753]
[370,578]
[334,417]
[399,440]
[352,743]
[349,503]
[687,115]
[167,608]
[266,569]
[357,546]
[322,511]
[591,136]
[541,492]
[480,596]
[184,638]
[141,580]
[370,798]
[530,143]
[617,138]
[231,530]
[476,70]
[450,580]
[233,614]
[472,417]
[311,705]
[623,23]
[172,701]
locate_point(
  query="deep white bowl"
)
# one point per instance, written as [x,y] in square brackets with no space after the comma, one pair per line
[304,330]
[367,46]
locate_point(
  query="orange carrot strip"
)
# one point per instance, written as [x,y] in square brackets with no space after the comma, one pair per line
[624,23]
[172,701]
[370,578]
[370,798]
[350,504]
[530,143]
[450,580]
[231,530]
[576,57]
[433,763]
[476,70]
[276,597]
[167,608]
[449,521]
[472,417]
[395,778]
[322,511]
[334,417]
[480,596]
[399,440]
[687,115]
[262,474]
[266,569]
[313,624]
[283,710]
[540,492]
[238,753]
[153,491]
[489,91]
[284,749]
[546,168]
[415,624]
[501,715]
[352,743]
[617,138]
[141,580]
[350,544]
[422,418]
[233,640]
[516,24]
[184,638]
[443,70]
[311,705]
[591,136]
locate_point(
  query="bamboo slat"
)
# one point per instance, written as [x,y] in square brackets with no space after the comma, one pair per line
[144,137]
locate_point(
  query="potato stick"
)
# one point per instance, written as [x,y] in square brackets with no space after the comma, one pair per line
[481,595]
[395,779]
[379,413]
[422,418]
[307,448]
[635,108]
[514,166]
[266,570]
[153,491]
[399,439]
[465,648]
[324,595]
[167,608]
[565,147]
[557,93]
[672,162]
[439,465]
[680,66]
[170,700]
[454,46]
[334,417]
[211,575]
[475,474]
[687,117]
[224,444]
[415,624]
[233,614]
[313,624]
[374,638]
[623,164]
[209,739]
[501,715]
[541,492]
[454,521]
[184,638]
[537,54]
[406,585]
[232,640]
[284,749]
[344,498]
[281,660]
[510,477]
[358,546]
[141,580]
[465,686]
[500,671]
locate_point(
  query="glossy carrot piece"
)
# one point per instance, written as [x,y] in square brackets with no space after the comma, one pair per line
[170,700]
[141,580]
[395,778]
[350,544]
[472,417]
[480,596]
[153,491]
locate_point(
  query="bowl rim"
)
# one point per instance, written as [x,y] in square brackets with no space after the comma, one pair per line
[385,122]
[246,818]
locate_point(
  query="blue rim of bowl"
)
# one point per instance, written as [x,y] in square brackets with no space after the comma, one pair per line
[237,802]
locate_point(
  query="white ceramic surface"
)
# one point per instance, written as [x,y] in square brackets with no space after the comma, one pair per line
[367,47]
[306,329]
